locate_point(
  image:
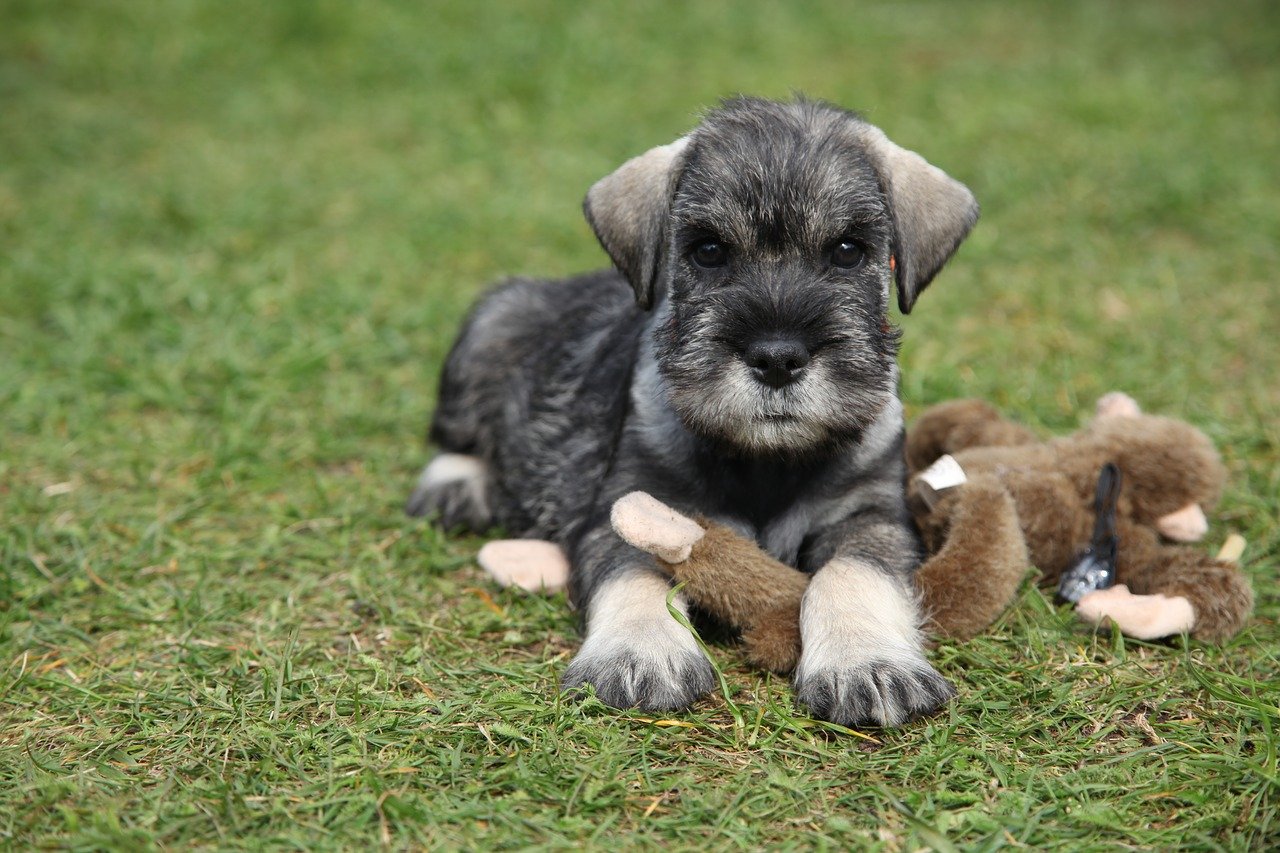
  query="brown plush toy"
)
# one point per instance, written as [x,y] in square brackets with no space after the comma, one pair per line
[1017,501]
[1170,474]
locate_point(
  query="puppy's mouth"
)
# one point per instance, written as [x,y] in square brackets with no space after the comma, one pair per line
[752,416]
[725,397]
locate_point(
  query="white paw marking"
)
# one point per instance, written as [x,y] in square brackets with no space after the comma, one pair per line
[850,603]
[863,656]
[448,467]
[457,467]
[635,652]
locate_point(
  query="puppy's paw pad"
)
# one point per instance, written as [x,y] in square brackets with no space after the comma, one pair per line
[531,564]
[877,693]
[633,679]
[646,523]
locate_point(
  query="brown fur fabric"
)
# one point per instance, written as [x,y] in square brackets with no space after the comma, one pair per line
[773,643]
[948,427]
[1218,591]
[730,577]
[1165,465]
[979,557]
[1025,502]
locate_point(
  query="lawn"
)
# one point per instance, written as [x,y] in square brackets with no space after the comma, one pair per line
[235,241]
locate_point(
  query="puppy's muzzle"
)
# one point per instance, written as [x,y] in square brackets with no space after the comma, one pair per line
[777,361]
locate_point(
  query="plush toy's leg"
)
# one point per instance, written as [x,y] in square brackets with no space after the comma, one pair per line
[1147,617]
[1054,537]
[1221,595]
[1167,581]
[530,564]
[732,578]
[958,424]
[723,573]
[773,642]
[1217,589]
[972,578]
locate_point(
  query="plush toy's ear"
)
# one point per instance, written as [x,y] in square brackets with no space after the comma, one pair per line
[628,211]
[932,212]
[1117,404]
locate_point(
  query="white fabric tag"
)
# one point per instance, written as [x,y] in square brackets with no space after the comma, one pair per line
[944,473]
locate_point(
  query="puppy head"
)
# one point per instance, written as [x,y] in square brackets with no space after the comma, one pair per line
[768,239]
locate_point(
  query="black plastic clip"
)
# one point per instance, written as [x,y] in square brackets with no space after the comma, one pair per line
[1096,568]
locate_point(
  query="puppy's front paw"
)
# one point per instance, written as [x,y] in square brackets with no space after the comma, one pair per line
[651,662]
[863,660]
[877,691]
[637,678]
[636,654]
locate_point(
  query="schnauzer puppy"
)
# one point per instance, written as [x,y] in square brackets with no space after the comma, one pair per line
[739,365]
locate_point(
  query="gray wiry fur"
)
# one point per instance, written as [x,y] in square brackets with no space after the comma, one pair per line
[571,394]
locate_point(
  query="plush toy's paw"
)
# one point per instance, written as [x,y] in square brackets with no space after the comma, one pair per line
[530,564]
[1145,617]
[650,525]
[1186,525]
[871,690]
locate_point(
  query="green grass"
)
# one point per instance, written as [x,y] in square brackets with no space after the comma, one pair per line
[235,240]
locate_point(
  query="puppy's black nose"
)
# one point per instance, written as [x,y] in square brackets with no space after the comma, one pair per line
[777,361]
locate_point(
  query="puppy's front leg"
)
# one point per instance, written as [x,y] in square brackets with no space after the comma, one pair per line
[862,659]
[635,653]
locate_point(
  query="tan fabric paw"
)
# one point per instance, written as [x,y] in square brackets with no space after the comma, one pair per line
[1145,617]
[652,526]
[530,564]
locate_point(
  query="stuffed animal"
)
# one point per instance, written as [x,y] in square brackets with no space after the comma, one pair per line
[1005,500]
[1170,474]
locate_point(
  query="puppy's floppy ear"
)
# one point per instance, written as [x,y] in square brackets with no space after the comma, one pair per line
[932,213]
[628,211]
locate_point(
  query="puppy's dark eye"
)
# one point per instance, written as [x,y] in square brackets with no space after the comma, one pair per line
[709,254]
[846,254]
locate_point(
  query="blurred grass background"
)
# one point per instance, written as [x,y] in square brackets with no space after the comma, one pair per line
[235,241]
